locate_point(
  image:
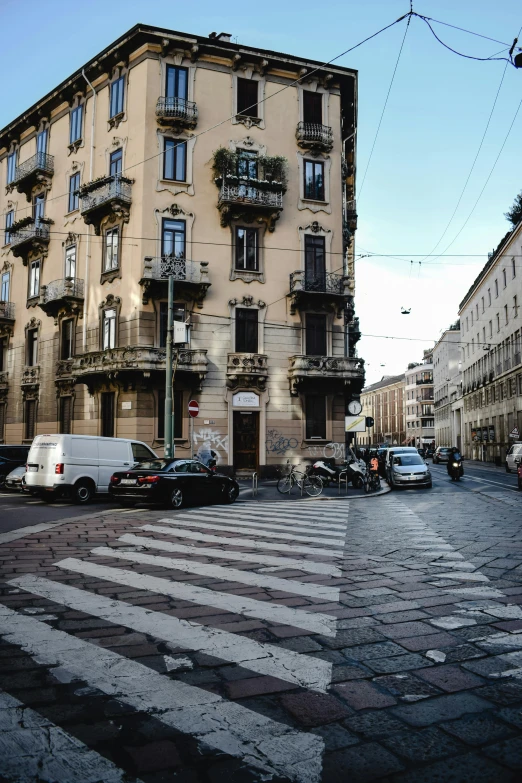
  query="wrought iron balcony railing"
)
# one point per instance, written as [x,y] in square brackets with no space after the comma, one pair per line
[7,311]
[108,190]
[41,162]
[323,282]
[181,268]
[60,289]
[311,134]
[247,194]
[177,110]
[34,231]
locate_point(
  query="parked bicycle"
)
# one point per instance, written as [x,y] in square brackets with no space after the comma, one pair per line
[372,481]
[312,485]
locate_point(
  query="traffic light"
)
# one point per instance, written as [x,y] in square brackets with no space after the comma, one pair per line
[369,422]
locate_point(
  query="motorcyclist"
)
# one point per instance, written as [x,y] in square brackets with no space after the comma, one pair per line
[454,456]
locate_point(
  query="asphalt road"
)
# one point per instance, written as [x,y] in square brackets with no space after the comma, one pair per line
[477,475]
[20,511]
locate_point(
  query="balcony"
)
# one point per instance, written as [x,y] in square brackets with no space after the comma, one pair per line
[323,289]
[247,370]
[134,362]
[312,136]
[247,201]
[31,237]
[177,113]
[7,314]
[106,196]
[30,376]
[37,170]
[350,215]
[191,281]
[62,296]
[424,382]
[337,371]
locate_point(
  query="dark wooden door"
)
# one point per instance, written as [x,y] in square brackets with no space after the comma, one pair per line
[246,440]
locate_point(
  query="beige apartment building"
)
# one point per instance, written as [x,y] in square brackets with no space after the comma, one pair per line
[491,335]
[418,403]
[230,168]
[384,402]
[447,388]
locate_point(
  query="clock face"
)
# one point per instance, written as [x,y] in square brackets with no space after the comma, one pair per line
[354,407]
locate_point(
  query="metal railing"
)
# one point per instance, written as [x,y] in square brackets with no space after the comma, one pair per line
[325,282]
[254,484]
[31,231]
[59,289]
[315,134]
[248,194]
[351,207]
[181,268]
[39,162]
[7,311]
[177,109]
[108,189]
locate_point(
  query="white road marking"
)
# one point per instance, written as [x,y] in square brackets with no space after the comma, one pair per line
[243,542]
[270,524]
[315,622]
[227,574]
[254,531]
[270,515]
[450,622]
[242,557]
[259,741]
[32,748]
[475,592]
[488,481]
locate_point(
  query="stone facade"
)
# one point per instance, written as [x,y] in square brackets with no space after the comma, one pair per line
[447,388]
[117,179]
[418,402]
[384,402]
[491,358]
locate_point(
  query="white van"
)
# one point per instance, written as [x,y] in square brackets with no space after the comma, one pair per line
[79,465]
[513,456]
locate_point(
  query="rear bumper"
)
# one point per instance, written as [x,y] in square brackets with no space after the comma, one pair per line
[148,493]
[425,481]
[42,489]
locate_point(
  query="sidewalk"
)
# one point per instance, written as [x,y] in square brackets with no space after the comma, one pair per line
[267,492]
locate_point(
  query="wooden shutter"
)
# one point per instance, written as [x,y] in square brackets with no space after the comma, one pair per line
[30,419]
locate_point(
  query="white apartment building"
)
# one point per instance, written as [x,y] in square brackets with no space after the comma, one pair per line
[418,403]
[491,359]
[447,388]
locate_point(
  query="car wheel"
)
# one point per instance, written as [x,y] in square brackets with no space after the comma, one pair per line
[357,482]
[230,493]
[176,498]
[82,492]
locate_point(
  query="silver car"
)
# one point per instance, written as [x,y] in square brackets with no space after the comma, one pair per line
[15,479]
[409,470]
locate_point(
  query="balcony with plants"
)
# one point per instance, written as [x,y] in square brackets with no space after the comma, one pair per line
[29,236]
[37,170]
[191,279]
[105,196]
[249,187]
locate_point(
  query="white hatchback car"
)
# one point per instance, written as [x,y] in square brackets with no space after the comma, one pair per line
[514,454]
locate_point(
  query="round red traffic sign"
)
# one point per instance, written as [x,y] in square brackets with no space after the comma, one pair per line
[193,408]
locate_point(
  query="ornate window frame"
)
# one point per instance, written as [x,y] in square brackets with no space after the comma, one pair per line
[329,328]
[110,303]
[109,222]
[316,228]
[76,167]
[248,71]
[314,85]
[312,204]
[32,301]
[11,206]
[329,418]
[176,212]
[31,325]
[121,69]
[168,185]
[177,58]
[14,147]
[117,142]
[248,275]
[249,302]
[77,100]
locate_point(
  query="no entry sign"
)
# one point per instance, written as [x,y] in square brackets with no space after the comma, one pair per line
[193,409]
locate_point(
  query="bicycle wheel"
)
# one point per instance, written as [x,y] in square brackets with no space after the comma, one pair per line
[367,484]
[312,485]
[284,485]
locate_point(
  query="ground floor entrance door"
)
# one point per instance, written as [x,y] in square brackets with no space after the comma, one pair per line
[246,440]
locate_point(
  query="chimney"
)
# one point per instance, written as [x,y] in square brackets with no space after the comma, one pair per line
[225,37]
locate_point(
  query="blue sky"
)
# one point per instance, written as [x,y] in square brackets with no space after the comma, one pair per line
[436,115]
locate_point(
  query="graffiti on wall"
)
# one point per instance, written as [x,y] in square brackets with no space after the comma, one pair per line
[211,444]
[330,451]
[277,443]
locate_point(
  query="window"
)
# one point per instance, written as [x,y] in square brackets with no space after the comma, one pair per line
[177,400]
[116,162]
[489,296]
[315,411]
[38,208]
[471,317]
[11,167]
[109,329]
[498,322]
[5,287]
[467,324]
[30,419]
[111,255]
[141,452]
[66,407]
[316,343]
[176,82]
[491,328]
[179,315]
[3,360]
[312,107]
[473,345]
[34,278]
[173,238]
[247,92]
[41,141]
[9,220]
[315,263]
[476,309]
[175,160]
[515,306]
[246,330]
[32,347]
[117,97]
[247,248]
[496,289]
[314,180]
[107,400]
[75,124]
[506,316]
[483,305]
[513,268]
[74,197]
[504,277]
[70,261]
[67,339]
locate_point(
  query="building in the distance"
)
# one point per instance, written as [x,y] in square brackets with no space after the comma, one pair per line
[418,403]
[491,334]
[232,169]
[447,388]
[384,402]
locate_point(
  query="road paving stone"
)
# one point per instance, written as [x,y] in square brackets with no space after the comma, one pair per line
[422,746]
[478,730]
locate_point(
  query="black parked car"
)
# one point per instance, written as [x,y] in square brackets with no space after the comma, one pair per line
[172,482]
[11,457]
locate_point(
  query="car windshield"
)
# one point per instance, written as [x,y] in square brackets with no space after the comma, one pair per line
[444,451]
[154,464]
[408,459]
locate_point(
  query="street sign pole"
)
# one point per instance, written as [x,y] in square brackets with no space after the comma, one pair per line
[169,408]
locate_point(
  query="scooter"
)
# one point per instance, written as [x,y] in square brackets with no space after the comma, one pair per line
[327,473]
[455,469]
[352,469]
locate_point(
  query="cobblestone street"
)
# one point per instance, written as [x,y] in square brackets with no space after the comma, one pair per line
[366,639]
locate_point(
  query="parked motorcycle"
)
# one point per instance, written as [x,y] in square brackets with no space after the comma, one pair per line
[352,469]
[455,469]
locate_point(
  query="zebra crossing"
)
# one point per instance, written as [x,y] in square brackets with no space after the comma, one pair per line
[269,565]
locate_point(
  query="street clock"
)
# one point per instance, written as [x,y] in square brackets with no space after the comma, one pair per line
[354,407]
